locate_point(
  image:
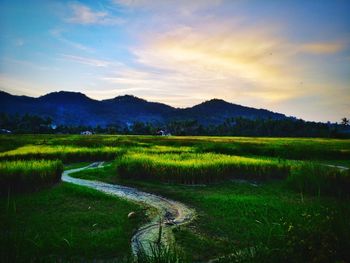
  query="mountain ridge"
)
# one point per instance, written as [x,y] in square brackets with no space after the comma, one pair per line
[75,108]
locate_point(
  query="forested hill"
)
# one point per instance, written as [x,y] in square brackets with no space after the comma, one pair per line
[72,108]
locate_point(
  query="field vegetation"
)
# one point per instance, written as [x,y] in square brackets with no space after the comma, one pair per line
[64,153]
[291,204]
[19,176]
[66,223]
[318,179]
[190,168]
[248,222]
[284,148]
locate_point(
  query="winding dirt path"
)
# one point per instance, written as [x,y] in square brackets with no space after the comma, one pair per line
[171,213]
[340,167]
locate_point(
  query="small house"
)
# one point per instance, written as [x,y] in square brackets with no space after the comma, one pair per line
[161,133]
[4,131]
[86,133]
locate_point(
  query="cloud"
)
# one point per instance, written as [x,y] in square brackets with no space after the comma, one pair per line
[84,15]
[323,47]
[194,4]
[87,61]
[186,63]
[28,64]
[248,65]
[58,34]
[168,10]
[232,61]
[14,85]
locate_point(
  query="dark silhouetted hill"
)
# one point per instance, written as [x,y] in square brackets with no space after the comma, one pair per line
[73,108]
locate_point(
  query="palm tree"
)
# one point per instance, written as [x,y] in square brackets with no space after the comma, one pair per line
[345,121]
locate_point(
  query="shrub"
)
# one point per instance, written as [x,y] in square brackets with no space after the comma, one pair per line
[28,175]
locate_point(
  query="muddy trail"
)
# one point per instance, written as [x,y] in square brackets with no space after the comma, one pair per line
[170,213]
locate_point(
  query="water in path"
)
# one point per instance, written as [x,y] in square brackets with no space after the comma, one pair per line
[171,213]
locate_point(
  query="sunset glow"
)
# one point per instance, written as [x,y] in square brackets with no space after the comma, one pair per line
[291,57]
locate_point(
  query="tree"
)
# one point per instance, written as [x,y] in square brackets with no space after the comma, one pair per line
[345,121]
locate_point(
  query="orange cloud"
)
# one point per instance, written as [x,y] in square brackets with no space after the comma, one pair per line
[235,62]
[323,47]
[247,65]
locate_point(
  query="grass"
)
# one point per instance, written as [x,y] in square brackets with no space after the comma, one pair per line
[76,165]
[18,176]
[301,218]
[269,220]
[66,222]
[161,254]
[287,148]
[106,173]
[318,179]
[247,223]
[198,168]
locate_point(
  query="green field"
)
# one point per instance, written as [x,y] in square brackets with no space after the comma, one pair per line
[257,199]
[68,223]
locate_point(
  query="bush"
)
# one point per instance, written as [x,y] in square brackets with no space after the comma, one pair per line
[189,168]
[28,175]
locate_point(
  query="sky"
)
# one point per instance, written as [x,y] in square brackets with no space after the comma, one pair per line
[290,56]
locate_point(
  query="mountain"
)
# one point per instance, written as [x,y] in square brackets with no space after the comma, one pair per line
[73,108]
[130,108]
[215,111]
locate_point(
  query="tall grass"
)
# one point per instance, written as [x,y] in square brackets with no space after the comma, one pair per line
[28,175]
[162,149]
[290,148]
[63,153]
[296,149]
[318,179]
[189,168]
[160,254]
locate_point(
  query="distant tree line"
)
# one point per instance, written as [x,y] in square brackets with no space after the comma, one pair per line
[230,127]
[25,123]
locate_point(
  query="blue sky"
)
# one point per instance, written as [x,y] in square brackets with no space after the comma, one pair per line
[287,56]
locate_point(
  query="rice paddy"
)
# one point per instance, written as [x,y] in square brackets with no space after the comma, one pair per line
[319,179]
[290,203]
[64,153]
[197,168]
[28,175]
